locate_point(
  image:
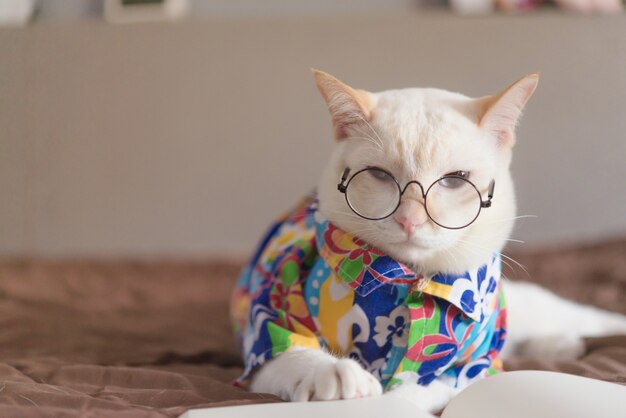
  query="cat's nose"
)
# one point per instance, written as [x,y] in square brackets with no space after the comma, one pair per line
[411,215]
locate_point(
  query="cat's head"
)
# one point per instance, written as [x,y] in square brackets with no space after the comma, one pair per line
[422,135]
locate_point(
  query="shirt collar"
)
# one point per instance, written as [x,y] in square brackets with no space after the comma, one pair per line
[365,268]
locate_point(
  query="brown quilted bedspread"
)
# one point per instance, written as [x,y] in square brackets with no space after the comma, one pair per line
[152,338]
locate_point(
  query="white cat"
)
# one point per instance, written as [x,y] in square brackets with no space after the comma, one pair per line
[416,137]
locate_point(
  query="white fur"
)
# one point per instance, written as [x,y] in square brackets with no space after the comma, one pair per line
[303,375]
[432,398]
[422,134]
[542,324]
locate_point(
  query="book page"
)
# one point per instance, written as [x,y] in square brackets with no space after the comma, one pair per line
[539,394]
[382,406]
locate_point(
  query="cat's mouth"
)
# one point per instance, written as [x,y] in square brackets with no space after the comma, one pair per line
[423,240]
[418,245]
[417,242]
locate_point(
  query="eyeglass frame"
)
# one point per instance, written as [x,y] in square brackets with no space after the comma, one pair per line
[483,203]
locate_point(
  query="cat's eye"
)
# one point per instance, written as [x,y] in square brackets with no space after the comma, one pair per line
[454,180]
[380,174]
[460,173]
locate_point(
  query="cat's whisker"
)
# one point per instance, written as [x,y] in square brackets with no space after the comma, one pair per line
[514,240]
[367,138]
[507,264]
[477,249]
[380,141]
[367,228]
[492,236]
[470,246]
[516,262]
[500,254]
[362,233]
[346,214]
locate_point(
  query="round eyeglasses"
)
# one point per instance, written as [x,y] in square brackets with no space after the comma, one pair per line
[452,201]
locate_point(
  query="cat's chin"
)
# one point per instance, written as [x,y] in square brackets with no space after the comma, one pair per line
[425,242]
[417,251]
[429,255]
[412,252]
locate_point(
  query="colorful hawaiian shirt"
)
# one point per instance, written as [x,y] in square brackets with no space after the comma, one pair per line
[312,285]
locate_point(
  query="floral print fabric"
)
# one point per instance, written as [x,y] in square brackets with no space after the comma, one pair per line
[312,285]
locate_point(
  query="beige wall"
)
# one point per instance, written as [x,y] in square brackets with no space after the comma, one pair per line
[187,139]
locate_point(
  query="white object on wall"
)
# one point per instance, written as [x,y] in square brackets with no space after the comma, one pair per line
[472,7]
[16,12]
[129,11]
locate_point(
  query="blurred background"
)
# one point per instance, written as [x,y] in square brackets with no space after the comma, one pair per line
[182,128]
[145,146]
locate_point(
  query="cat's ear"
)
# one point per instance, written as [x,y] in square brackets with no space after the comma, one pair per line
[499,114]
[347,106]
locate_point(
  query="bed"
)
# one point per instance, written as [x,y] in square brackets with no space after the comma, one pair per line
[151,338]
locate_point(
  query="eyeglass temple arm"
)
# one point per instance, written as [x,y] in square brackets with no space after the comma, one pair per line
[341,186]
[487,203]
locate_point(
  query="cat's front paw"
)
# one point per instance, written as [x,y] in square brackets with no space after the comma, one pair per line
[432,398]
[336,379]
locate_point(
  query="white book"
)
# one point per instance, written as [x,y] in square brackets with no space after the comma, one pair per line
[521,394]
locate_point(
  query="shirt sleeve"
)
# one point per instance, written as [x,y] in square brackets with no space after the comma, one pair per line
[276,317]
